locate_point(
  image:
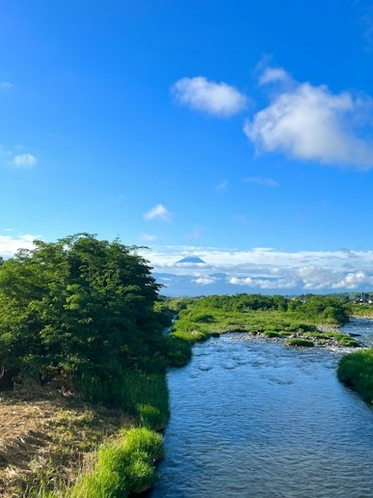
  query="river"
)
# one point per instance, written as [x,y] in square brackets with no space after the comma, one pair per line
[254,418]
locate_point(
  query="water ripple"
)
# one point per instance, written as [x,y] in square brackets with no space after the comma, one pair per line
[250,418]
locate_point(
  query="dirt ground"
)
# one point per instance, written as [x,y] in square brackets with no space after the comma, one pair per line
[46,437]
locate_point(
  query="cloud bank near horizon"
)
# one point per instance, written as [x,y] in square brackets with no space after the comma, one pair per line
[257,270]
[262,270]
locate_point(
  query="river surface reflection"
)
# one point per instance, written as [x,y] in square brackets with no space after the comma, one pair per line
[251,418]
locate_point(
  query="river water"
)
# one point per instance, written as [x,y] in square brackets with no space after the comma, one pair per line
[253,418]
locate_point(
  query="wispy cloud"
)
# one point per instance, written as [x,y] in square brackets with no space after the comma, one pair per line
[222,186]
[264,270]
[147,237]
[24,161]
[262,180]
[219,99]
[273,74]
[310,122]
[6,85]
[196,232]
[158,212]
[367,20]
[364,11]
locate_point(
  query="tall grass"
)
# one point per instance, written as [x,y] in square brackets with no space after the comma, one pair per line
[146,396]
[123,467]
[356,371]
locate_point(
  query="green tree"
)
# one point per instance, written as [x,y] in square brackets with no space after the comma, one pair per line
[80,310]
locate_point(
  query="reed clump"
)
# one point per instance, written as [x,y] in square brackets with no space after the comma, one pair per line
[356,371]
[123,467]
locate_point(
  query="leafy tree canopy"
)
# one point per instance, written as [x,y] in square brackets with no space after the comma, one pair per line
[79,309]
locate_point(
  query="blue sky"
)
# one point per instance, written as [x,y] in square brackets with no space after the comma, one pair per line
[239,132]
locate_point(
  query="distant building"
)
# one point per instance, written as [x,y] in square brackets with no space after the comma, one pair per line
[363,298]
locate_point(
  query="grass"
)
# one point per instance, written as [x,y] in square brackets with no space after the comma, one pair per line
[299,342]
[145,396]
[271,334]
[62,447]
[124,466]
[196,324]
[46,436]
[356,371]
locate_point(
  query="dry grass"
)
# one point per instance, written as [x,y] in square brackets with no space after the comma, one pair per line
[45,437]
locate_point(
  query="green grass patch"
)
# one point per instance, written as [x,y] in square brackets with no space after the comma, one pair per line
[271,334]
[123,467]
[146,396]
[299,342]
[284,333]
[349,342]
[356,371]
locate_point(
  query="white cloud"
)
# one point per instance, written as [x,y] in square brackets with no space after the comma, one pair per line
[205,280]
[353,280]
[261,180]
[9,244]
[263,283]
[6,85]
[241,281]
[199,93]
[24,161]
[265,269]
[309,122]
[158,212]
[272,74]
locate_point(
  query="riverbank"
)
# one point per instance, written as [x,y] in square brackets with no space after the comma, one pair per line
[53,444]
[56,437]
[47,437]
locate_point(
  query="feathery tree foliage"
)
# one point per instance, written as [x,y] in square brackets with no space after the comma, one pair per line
[81,311]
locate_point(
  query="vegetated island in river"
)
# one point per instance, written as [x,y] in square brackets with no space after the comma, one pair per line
[83,358]
[308,320]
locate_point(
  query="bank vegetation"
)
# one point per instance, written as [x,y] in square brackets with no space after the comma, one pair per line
[82,370]
[85,342]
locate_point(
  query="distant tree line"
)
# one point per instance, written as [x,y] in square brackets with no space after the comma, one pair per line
[331,308]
